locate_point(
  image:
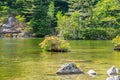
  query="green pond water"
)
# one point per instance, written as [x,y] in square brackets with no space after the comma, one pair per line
[22,59]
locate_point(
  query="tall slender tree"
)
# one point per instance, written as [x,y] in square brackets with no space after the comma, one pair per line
[39,20]
[51,16]
[28,9]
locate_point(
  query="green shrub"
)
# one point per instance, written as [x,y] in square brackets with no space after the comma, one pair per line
[95,33]
[111,33]
[55,44]
[99,33]
[116,41]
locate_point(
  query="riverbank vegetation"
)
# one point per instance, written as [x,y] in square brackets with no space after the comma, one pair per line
[71,19]
[116,42]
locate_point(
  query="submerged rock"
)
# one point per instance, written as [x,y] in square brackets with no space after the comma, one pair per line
[117,47]
[92,73]
[113,78]
[110,78]
[70,68]
[117,77]
[69,77]
[113,70]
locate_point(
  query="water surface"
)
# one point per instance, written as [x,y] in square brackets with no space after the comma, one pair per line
[22,59]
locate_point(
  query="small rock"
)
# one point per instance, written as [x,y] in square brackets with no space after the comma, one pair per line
[110,78]
[113,78]
[70,68]
[113,70]
[91,73]
[117,77]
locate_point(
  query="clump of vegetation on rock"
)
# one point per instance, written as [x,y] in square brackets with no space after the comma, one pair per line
[54,44]
[116,42]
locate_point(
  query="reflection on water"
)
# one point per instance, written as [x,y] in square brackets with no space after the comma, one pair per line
[68,77]
[22,59]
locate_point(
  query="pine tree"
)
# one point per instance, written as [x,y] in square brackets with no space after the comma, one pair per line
[61,5]
[51,16]
[85,8]
[28,9]
[39,20]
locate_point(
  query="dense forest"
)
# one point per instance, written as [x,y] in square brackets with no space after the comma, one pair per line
[71,19]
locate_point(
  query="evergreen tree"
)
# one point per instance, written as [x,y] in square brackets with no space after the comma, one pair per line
[39,20]
[4,12]
[51,16]
[28,9]
[61,5]
[84,7]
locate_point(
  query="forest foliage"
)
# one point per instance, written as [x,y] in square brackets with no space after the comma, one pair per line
[71,19]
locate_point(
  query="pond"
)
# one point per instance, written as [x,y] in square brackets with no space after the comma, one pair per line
[22,59]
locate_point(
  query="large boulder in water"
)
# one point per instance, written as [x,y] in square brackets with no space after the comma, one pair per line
[70,68]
